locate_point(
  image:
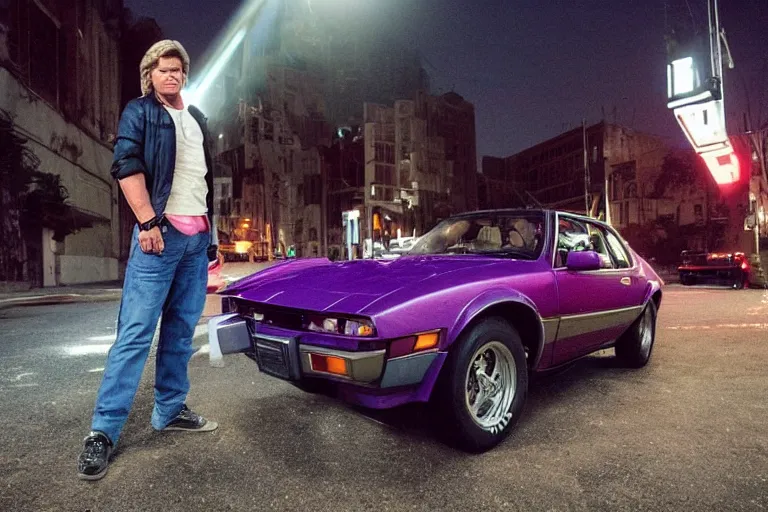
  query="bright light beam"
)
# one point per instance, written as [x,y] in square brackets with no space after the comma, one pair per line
[227,44]
[196,93]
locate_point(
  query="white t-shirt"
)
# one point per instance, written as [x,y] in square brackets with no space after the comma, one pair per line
[189,187]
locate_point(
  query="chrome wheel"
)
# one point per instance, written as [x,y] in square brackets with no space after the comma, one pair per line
[646,333]
[490,386]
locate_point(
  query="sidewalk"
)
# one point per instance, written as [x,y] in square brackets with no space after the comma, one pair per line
[95,292]
[105,292]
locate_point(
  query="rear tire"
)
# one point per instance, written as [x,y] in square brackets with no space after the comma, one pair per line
[483,386]
[634,347]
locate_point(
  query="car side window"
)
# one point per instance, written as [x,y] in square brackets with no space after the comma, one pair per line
[575,235]
[572,235]
[597,243]
[620,254]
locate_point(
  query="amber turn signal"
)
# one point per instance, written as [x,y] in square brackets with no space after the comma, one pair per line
[426,341]
[329,364]
[365,330]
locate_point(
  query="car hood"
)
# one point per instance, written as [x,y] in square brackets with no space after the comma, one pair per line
[351,286]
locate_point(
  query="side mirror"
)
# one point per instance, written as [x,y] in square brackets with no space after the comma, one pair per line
[583,260]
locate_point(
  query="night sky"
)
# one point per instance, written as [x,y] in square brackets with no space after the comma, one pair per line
[535,68]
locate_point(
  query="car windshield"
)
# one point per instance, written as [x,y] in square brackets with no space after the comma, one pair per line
[503,234]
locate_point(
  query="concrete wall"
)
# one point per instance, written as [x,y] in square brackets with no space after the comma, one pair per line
[83,164]
[86,269]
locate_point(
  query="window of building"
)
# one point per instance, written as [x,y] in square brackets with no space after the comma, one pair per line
[311,190]
[698,213]
[384,175]
[255,130]
[38,48]
[384,153]
[630,191]
[615,184]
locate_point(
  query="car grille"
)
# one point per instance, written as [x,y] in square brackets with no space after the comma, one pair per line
[272,358]
[278,357]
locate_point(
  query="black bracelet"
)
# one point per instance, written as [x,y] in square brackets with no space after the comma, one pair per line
[151,223]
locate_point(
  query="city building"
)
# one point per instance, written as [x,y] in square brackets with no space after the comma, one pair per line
[419,163]
[270,144]
[60,77]
[301,75]
[571,171]
[451,118]
[497,187]
[344,178]
[660,197]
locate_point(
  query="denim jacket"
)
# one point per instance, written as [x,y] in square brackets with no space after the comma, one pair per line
[146,143]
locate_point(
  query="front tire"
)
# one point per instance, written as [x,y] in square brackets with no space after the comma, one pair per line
[634,347]
[483,386]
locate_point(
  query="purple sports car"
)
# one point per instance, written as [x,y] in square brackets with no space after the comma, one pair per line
[462,320]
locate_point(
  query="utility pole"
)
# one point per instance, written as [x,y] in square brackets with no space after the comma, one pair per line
[586,167]
[606,194]
[324,206]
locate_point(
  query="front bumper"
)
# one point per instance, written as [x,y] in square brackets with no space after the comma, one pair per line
[286,355]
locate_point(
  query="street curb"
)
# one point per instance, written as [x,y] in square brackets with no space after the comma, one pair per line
[68,298]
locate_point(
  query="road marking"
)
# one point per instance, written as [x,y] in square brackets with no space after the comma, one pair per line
[716,326]
[108,337]
[103,348]
[87,350]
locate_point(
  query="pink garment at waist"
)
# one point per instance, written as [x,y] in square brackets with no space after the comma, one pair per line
[189,224]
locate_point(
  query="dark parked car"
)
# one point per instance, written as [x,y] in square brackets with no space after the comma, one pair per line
[480,303]
[730,269]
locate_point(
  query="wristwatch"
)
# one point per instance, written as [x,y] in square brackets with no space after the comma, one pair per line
[151,223]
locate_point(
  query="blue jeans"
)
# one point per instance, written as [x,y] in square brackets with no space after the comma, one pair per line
[173,284]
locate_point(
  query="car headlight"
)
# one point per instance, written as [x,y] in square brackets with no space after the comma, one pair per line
[335,325]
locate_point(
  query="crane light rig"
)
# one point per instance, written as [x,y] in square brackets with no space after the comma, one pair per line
[695,95]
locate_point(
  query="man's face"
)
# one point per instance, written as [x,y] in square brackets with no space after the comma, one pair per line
[168,76]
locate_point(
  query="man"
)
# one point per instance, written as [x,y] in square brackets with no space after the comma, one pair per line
[164,168]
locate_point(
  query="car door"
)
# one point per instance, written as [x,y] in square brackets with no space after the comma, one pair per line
[595,306]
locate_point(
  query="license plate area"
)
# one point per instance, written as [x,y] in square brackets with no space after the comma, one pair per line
[278,356]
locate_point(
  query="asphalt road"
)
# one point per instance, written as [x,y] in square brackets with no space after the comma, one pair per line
[688,432]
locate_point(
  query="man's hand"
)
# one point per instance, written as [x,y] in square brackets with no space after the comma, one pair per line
[151,241]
